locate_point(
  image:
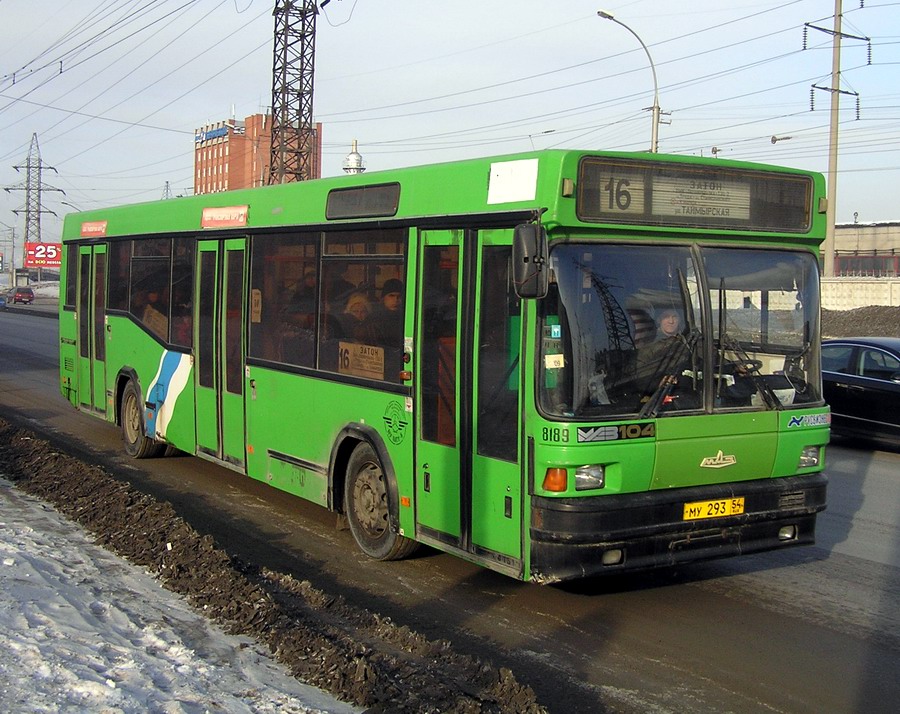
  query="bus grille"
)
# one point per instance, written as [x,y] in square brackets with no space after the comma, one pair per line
[791,501]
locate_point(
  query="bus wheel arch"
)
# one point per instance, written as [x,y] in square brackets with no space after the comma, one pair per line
[130,417]
[364,489]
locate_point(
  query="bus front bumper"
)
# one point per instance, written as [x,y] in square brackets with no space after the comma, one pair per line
[584,537]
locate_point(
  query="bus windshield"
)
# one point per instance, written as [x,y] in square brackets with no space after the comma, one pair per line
[656,330]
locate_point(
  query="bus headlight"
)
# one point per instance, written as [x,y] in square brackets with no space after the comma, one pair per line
[809,457]
[589,477]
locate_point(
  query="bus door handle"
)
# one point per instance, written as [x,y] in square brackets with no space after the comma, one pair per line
[253,390]
[426,479]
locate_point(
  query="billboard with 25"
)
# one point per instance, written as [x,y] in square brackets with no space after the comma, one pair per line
[43,255]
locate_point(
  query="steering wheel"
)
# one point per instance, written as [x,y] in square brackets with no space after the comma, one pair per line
[740,366]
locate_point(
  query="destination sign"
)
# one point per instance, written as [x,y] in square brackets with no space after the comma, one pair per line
[700,198]
[692,195]
[361,360]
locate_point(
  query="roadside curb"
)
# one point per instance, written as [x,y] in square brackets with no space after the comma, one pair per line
[39,312]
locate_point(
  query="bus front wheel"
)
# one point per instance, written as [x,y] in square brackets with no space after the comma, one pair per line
[366,508]
[131,416]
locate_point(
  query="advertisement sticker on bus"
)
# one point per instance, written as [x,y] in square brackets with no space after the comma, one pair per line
[513,181]
[225,217]
[93,229]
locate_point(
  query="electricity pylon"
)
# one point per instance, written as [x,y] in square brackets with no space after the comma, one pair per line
[293,69]
[33,187]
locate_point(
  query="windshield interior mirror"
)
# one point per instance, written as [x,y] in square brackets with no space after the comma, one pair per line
[530,268]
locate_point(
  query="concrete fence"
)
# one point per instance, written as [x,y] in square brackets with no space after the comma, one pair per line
[850,293]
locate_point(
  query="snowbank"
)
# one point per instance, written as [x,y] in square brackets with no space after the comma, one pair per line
[83,630]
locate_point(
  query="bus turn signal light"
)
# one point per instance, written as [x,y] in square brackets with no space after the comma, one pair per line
[555,480]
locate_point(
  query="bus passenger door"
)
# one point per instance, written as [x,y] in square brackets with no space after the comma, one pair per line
[91,311]
[438,495]
[496,480]
[468,479]
[219,349]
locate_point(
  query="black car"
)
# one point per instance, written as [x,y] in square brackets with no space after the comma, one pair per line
[22,295]
[861,381]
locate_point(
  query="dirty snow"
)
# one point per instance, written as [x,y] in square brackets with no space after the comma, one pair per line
[83,630]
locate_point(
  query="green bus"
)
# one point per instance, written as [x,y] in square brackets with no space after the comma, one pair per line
[555,364]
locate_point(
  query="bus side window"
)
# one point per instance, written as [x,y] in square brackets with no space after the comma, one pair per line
[439,326]
[182,286]
[498,357]
[119,265]
[283,290]
[150,286]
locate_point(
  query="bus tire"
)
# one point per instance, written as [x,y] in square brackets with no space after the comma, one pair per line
[366,508]
[131,417]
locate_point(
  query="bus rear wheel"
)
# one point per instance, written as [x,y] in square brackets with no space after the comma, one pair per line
[366,508]
[131,416]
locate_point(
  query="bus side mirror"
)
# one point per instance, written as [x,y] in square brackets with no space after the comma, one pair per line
[530,270]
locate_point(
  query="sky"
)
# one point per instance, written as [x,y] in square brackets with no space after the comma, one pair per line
[83,630]
[114,89]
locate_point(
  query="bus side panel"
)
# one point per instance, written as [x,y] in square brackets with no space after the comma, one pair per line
[293,422]
[173,395]
[165,380]
[68,353]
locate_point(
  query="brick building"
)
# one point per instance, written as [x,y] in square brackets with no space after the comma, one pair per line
[236,154]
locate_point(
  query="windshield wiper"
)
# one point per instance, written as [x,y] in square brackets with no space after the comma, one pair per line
[671,365]
[743,365]
[749,368]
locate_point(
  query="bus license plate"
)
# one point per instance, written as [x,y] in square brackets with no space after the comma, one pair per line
[713,509]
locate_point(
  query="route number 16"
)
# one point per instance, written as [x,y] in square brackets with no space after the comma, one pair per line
[619,195]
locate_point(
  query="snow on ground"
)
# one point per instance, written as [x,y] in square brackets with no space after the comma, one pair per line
[82,630]
[49,290]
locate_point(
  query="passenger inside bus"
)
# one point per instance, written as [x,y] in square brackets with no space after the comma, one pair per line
[181,313]
[387,323]
[338,291]
[387,315]
[307,289]
[355,319]
[154,314]
[298,336]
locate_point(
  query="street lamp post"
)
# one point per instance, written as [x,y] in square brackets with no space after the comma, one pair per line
[654,129]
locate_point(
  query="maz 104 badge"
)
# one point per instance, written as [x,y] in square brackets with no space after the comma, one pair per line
[616,432]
